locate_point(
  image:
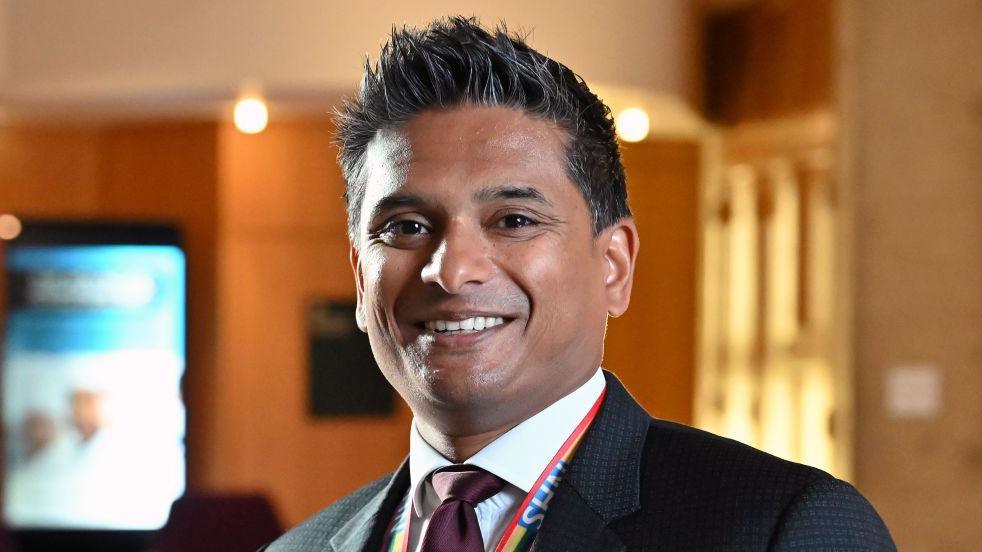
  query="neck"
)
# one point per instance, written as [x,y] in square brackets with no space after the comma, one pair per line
[458,448]
[457,437]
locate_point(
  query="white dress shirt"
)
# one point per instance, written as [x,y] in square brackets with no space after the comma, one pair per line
[518,456]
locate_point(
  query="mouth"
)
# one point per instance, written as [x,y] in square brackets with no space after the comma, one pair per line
[463,326]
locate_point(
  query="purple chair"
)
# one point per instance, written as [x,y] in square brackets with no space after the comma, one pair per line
[205,522]
[6,545]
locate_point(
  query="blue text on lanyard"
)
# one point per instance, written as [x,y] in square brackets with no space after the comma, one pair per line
[536,511]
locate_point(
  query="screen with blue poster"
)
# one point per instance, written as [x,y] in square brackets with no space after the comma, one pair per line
[94,353]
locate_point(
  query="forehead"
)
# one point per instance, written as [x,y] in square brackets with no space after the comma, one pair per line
[466,148]
[483,132]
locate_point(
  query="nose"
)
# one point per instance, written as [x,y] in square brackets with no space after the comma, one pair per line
[461,258]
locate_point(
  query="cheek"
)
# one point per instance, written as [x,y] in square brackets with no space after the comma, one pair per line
[380,281]
[562,284]
[390,276]
[381,284]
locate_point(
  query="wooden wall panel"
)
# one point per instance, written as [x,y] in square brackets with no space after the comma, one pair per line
[269,440]
[652,347]
[769,59]
[50,171]
[283,179]
[283,244]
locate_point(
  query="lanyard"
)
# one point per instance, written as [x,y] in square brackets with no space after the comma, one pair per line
[521,531]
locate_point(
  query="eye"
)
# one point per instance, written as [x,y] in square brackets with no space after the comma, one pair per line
[405,228]
[515,220]
[401,232]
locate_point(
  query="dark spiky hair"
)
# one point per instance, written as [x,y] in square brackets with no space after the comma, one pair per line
[453,62]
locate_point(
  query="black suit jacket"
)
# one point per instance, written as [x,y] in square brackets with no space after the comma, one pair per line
[638,483]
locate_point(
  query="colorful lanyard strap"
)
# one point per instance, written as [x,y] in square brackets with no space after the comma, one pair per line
[521,531]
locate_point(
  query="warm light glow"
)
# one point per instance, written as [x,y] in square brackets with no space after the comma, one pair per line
[783,257]
[778,409]
[742,272]
[632,125]
[10,227]
[251,115]
[817,408]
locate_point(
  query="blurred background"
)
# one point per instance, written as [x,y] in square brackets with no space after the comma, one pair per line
[806,177]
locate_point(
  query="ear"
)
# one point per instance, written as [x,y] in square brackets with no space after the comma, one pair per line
[359,288]
[621,244]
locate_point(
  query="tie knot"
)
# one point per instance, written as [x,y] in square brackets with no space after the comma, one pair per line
[466,483]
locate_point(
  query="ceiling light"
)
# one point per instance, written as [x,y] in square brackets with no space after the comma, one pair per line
[632,125]
[10,227]
[251,115]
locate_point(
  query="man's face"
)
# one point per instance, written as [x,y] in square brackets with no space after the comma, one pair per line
[87,412]
[480,283]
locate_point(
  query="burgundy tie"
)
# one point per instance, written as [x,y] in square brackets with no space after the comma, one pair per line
[453,526]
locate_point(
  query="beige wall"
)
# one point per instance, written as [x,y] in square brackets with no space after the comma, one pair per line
[158,55]
[913,142]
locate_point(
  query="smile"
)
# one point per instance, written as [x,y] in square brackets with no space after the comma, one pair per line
[473,325]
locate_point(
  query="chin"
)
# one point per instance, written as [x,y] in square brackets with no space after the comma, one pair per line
[460,387]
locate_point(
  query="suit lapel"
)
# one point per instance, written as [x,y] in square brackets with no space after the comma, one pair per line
[366,529]
[602,483]
[573,526]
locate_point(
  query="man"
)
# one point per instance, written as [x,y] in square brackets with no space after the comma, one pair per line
[491,239]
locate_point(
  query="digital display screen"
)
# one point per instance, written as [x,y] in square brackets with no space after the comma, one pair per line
[93,416]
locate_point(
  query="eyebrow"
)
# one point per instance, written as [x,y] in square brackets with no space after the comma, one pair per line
[394,201]
[485,195]
[511,192]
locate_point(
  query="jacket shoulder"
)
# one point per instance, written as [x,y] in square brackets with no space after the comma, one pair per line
[316,531]
[685,454]
[832,515]
[703,491]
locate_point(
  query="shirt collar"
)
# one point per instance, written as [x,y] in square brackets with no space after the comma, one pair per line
[519,455]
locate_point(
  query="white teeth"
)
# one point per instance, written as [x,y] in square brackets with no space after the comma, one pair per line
[477,323]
